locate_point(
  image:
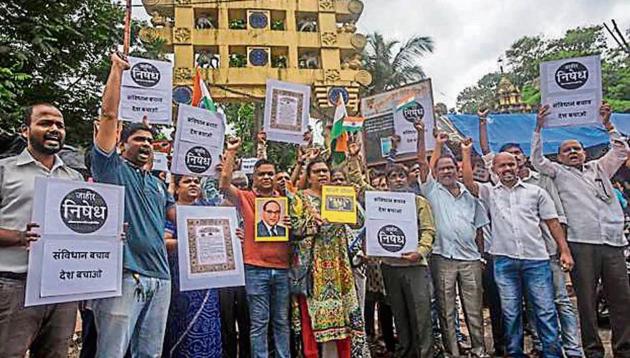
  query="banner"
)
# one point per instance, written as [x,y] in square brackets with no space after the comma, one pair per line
[79,253]
[339,204]
[287,111]
[209,252]
[160,161]
[198,141]
[391,223]
[573,89]
[147,89]
[406,114]
[247,165]
[269,215]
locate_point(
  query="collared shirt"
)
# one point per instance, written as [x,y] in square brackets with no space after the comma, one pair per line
[457,219]
[516,215]
[146,203]
[17,183]
[545,182]
[593,212]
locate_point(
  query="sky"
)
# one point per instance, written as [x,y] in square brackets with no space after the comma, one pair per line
[471,35]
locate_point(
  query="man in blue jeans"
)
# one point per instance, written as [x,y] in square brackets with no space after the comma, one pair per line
[521,260]
[136,320]
[266,263]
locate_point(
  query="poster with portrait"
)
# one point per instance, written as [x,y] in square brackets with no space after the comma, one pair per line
[394,112]
[573,89]
[339,204]
[287,111]
[269,215]
[209,252]
[147,89]
[198,141]
[79,253]
[391,222]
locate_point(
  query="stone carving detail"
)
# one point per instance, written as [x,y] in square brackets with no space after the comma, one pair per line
[329,38]
[182,74]
[183,2]
[352,62]
[326,5]
[332,75]
[182,34]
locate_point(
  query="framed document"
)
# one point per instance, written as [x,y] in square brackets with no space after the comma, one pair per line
[287,111]
[210,254]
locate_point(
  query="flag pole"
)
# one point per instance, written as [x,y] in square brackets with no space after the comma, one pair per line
[127,34]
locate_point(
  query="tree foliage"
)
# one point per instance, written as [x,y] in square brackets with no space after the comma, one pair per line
[58,52]
[523,58]
[393,64]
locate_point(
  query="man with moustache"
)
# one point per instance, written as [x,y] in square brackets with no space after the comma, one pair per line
[521,260]
[567,313]
[595,230]
[458,247]
[44,330]
[136,320]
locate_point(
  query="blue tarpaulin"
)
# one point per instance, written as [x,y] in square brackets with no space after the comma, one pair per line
[519,127]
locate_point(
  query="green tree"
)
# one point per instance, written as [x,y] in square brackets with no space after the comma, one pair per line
[481,95]
[58,52]
[523,59]
[393,64]
[240,118]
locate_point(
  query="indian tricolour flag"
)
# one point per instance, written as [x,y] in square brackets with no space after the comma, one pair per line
[338,135]
[407,102]
[353,124]
[201,96]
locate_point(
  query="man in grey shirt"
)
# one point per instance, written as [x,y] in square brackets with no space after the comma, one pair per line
[567,312]
[521,260]
[595,230]
[44,330]
[458,246]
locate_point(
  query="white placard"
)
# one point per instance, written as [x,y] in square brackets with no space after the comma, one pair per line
[147,90]
[391,223]
[71,213]
[419,108]
[195,159]
[287,107]
[80,266]
[199,125]
[210,254]
[160,161]
[573,89]
[247,165]
[80,208]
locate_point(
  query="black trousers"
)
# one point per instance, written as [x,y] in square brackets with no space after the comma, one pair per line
[234,311]
[493,302]
[608,263]
[376,302]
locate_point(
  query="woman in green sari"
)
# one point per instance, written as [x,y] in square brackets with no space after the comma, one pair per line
[325,307]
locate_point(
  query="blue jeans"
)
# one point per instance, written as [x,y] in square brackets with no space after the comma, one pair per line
[137,319]
[513,276]
[268,295]
[567,313]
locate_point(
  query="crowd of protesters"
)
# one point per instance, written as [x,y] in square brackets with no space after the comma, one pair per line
[509,239]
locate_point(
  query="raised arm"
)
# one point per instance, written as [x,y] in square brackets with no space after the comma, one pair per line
[225,179]
[467,167]
[614,159]
[422,152]
[483,131]
[106,136]
[540,163]
[261,145]
[440,142]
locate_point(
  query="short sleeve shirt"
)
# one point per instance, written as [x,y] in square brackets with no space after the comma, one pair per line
[456,219]
[146,202]
[516,215]
[17,183]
